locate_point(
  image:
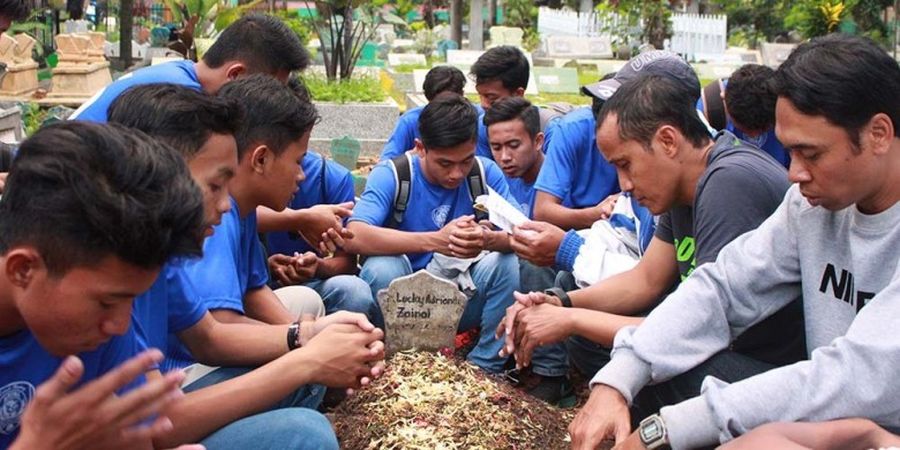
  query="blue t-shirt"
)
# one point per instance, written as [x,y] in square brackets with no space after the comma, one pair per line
[523,193]
[767,141]
[233,263]
[24,365]
[333,186]
[169,307]
[574,170]
[430,206]
[175,72]
[407,131]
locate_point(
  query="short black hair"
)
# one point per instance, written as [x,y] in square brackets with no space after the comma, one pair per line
[263,42]
[505,63]
[443,79]
[14,10]
[750,98]
[81,191]
[274,114]
[511,108]
[651,101]
[846,79]
[180,116]
[448,121]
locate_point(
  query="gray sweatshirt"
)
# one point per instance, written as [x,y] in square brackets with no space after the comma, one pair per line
[839,261]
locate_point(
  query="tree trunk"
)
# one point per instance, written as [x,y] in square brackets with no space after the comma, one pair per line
[126,25]
[492,12]
[456,21]
[476,25]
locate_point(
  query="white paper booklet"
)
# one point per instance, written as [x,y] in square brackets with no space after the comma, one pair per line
[500,212]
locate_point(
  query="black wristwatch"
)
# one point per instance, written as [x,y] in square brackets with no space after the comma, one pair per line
[293,336]
[561,295]
[653,433]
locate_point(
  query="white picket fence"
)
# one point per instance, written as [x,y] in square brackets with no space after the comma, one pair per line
[699,36]
[693,35]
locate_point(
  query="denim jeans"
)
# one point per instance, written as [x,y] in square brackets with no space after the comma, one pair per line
[547,360]
[292,423]
[348,293]
[495,276]
[726,365]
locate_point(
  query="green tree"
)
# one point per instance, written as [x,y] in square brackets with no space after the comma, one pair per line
[756,20]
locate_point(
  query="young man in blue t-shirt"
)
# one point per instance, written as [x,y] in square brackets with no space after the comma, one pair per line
[748,106]
[201,127]
[292,261]
[253,44]
[231,278]
[70,366]
[516,140]
[439,218]
[438,80]
[499,73]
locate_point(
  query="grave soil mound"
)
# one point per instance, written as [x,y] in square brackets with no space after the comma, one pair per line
[431,401]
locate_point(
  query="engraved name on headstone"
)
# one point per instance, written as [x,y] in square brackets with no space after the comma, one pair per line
[421,311]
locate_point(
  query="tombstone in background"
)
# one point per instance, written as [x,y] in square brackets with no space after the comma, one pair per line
[414,59]
[775,54]
[421,311]
[463,57]
[579,47]
[506,36]
[21,71]
[445,45]
[557,80]
[345,151]
[82,69]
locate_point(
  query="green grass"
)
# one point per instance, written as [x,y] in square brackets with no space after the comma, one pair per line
[358,89]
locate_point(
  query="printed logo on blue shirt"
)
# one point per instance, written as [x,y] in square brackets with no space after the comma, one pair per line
[14,397]
[439,215]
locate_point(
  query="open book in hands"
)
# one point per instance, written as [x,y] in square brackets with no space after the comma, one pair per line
[500,212]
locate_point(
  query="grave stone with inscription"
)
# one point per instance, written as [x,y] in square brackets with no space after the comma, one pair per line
[415,59]
[345,151]
[421,311]
[775,54]
[556,80]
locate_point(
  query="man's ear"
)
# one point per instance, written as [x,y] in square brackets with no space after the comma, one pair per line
[539,141]
[21,265]
[519,92]
[668,139]
[880,133]
[419,148]
[259,157]
[235,70]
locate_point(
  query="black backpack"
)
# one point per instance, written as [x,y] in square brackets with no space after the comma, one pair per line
[402,165]
[713,106]
[6,157]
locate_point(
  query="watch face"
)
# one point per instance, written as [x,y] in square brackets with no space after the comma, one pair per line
[650,431]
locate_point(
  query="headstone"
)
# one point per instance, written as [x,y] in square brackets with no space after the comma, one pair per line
[24,47]
[556,81]
[445,45]
[463,57]
[345,151]
[421,311]
[775,54]
[506,36]
[396,59]
[579,47]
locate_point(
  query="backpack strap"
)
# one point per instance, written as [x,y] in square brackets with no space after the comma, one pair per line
[475,180]
[713,106]
[402,165]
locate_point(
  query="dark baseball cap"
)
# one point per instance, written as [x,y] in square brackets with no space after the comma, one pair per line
[656,62]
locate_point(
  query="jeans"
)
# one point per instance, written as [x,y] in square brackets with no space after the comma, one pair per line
[288,429]
[292,423]
[348,293]
[587,356]
[547,360]
[496,276]
[726,365]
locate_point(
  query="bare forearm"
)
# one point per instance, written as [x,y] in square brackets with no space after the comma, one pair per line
[600,327]
[627,293]
[268,220]
[565,218]
[231,316]
[203,411]
[372,240]
[262,304]
[497,241]
[339,264]
[236,344]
